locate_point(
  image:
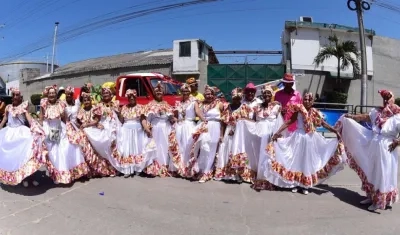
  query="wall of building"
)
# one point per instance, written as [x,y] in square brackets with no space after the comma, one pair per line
[96,77]
[305,43]
[12,71]
[386,54]
[186,64]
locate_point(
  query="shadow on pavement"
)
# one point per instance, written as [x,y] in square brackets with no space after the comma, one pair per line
[347,196]
[45,184]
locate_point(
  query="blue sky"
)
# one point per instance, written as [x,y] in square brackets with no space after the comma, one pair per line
[226,25]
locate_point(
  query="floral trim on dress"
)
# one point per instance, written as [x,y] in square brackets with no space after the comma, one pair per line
[67,177]
[264,112]
[109,108]
[53,111]
[380,199]
[38,158]
[17,110]
[312,118]
[98,166]
[298,176]
[129,113]
[158,109]
[384,113]
[190,171]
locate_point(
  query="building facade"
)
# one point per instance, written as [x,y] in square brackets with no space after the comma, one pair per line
[301,42]
[187,58]
[191,58]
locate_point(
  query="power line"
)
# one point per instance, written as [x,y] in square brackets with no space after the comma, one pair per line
[73,33]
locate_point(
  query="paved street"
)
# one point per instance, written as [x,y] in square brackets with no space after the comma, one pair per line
[176,206]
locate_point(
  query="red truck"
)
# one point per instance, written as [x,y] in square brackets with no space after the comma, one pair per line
[144,83]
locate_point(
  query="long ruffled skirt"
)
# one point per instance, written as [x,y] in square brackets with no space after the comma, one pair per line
[66,161]
[302,160]
[21,153]
[369,157]
[130,153]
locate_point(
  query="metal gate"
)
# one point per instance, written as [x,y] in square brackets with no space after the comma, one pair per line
[229,76]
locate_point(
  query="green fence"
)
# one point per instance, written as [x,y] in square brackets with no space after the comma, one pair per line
[229,76]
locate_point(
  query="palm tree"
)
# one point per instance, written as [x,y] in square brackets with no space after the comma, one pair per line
[343,51]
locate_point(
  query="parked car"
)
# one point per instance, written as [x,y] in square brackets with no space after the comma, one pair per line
[144,84]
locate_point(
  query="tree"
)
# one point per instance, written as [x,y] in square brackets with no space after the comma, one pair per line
[346,53]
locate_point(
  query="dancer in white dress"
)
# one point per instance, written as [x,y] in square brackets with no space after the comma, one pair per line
[72,105]
[160,115]
[371,153]
[268,121]
[207,137]
[66,161]
[305,158]
[227,167]
[130,152]
[185,112]
[21,148]
[93,136]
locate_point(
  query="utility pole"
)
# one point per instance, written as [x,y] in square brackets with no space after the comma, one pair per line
[360,6]
[54,46]
[47,63]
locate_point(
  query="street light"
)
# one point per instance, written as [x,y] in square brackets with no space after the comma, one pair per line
[360,6]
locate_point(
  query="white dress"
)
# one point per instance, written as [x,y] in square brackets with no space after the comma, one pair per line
[72,111]
[158,115]
[21,151]
[207,144]
[368,156]
[268,121]
[305,158]
[184,129]
[96,142]
[66,161]
[245,144]
[130,153]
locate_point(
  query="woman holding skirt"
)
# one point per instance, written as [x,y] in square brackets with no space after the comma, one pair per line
[228,168]
[372,153]
[305,158]
[21,148]
[130,152]
[185,113]
[268,121]
[66,161]
[159,115]
[208,136]
[94,137]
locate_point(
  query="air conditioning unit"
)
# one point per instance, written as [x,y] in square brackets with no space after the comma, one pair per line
[306,19]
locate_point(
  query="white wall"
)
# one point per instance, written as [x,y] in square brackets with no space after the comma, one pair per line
[306,43]
[186,64]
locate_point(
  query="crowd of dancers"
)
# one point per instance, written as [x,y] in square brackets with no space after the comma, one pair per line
[270,143]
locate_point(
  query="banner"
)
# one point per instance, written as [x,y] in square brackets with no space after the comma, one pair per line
[330,117]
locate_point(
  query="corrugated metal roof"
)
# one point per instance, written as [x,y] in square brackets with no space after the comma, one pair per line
[143,58]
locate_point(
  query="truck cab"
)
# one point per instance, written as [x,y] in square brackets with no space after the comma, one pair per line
[144,84]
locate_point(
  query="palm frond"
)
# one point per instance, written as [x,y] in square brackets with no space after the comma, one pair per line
[325,54]
[350,47]
[334,38]
[348,60]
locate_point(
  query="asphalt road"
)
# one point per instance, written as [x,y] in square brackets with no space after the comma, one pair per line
[175,206]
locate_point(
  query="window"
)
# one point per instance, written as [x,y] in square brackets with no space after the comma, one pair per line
[169,89]
[201,50]
[137,84]
[184,49]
